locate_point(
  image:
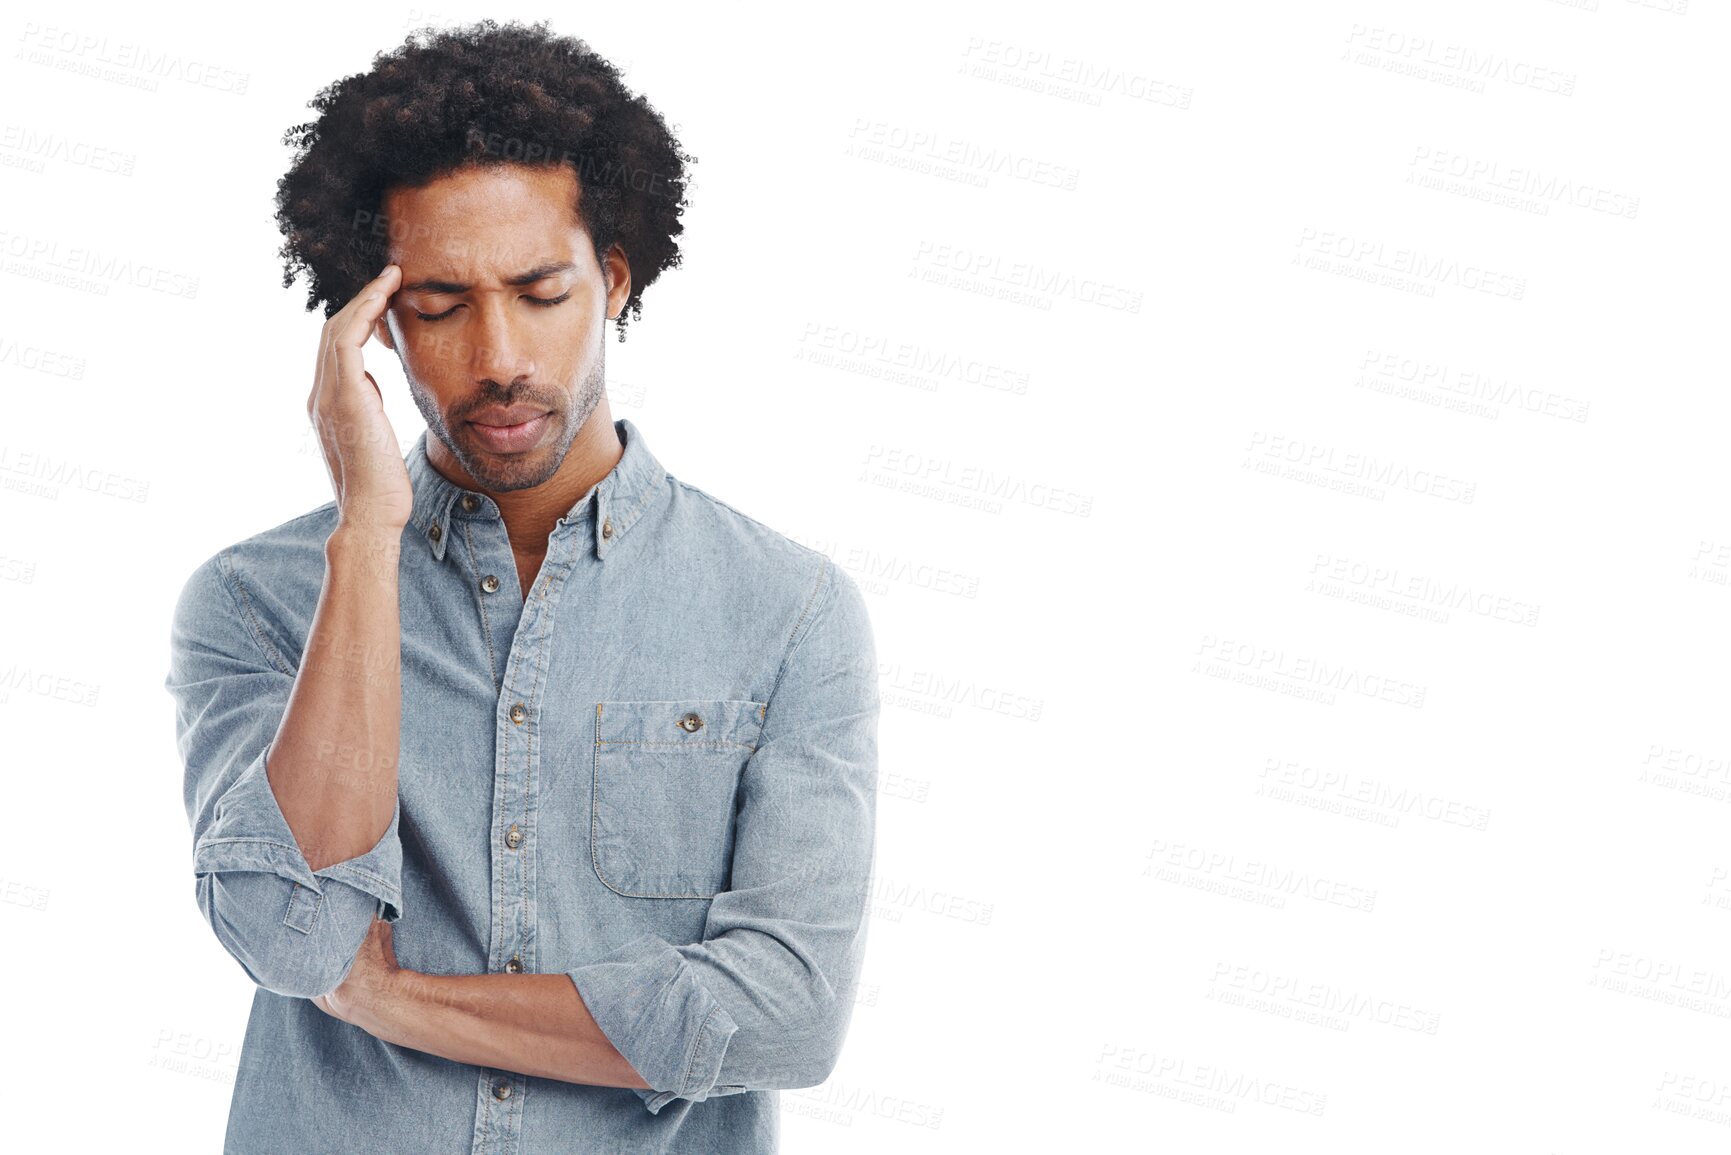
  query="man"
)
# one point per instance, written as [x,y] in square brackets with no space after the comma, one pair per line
[533,786]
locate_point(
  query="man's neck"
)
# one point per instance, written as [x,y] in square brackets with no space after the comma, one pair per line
[531,514]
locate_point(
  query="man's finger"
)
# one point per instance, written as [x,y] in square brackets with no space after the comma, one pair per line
[370,302]
[353,323]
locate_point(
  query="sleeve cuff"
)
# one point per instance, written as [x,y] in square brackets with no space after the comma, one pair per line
[249,833]
[648,1002]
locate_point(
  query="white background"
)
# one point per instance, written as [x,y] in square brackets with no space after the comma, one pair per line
[1282,446]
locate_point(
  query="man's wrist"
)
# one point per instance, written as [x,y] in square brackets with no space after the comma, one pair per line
[379,1008]
[364,550]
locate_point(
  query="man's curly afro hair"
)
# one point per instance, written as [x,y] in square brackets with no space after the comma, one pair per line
[483,94]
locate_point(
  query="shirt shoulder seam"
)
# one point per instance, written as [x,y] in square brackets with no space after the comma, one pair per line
[231,582]
[800,632]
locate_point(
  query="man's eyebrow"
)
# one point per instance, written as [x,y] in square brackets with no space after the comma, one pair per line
[538,273]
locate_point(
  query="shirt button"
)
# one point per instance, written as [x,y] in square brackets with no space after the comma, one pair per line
[490,584]
[501,1090]
[434,532]
[471,502]
[518,713]
[607,528]
[513,837]
[515,966]
[690,723]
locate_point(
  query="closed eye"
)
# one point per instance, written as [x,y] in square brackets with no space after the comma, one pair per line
[543,302]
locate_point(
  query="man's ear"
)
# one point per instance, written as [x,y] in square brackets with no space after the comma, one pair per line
[382,331]
[618,280]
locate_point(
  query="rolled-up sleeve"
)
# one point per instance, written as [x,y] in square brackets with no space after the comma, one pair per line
[764,1001]
[295,931]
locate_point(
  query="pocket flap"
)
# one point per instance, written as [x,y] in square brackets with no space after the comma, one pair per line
[680,722]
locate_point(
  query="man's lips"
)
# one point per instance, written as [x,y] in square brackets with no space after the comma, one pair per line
[514,437]
[505,418]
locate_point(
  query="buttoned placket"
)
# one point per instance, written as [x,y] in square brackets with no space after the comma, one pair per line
[522,632]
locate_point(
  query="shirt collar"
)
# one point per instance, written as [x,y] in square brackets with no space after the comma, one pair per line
[619,499]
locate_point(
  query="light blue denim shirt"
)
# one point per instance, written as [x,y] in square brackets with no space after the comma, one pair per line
[657,775]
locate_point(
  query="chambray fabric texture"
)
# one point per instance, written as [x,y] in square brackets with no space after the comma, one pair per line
[656,774]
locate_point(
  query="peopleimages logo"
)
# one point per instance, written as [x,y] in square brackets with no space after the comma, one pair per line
[1373,256]
[1422,55]
[1273,668]
[96,55]
[1542,187]
[1300,459]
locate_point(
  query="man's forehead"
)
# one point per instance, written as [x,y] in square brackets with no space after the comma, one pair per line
[480,224]
[454,272]
[480,250]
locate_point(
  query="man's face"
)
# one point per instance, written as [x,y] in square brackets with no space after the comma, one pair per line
[480,351]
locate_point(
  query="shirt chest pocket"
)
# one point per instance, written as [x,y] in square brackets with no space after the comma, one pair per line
[665,780]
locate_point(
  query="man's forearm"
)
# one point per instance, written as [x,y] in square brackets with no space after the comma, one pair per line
[530,1024]
[333,764]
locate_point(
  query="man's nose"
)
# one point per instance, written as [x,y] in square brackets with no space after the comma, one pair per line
[501,349]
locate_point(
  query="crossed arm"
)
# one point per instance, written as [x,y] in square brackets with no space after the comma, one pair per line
[530,1024]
